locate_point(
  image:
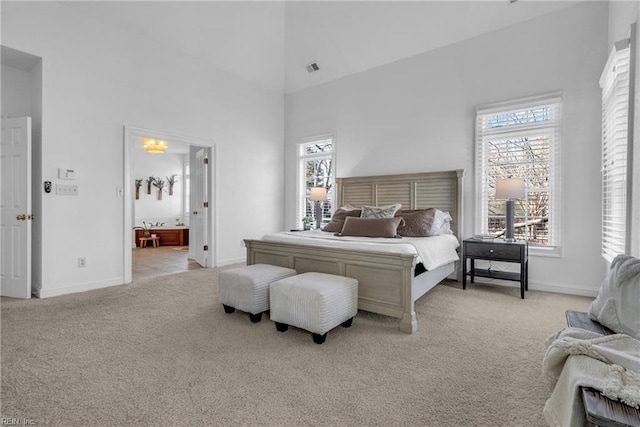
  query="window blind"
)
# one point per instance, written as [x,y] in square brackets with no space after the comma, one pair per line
[614,83]
[520,139]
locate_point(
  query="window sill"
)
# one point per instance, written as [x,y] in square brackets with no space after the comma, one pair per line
[551,252]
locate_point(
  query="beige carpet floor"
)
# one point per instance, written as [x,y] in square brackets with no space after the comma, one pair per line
[162,352]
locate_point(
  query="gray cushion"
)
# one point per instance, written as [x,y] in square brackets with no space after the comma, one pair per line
[337,220]
[417,222]
[371,227]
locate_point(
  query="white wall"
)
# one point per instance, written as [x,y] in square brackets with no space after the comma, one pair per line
[96,79]
[418,114]
[148,208]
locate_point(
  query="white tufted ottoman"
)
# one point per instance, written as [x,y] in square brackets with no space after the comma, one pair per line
[317,302]
[247,288]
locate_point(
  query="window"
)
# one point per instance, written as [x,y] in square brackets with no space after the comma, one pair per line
[315,169]
[520,139]
[615,152]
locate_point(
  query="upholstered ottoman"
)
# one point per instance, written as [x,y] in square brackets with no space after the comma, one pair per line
[247,288]
[316,302]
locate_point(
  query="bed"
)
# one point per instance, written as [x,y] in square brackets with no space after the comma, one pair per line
[387,281]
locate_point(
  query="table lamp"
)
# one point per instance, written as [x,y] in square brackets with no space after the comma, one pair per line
[318,195]
[510,189]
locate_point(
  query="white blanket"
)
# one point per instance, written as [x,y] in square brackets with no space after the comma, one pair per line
[433,251]
[576,357]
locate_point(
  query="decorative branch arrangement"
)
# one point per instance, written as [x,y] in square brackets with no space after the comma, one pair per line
[138,185]
[172,180]
[150,181]
[159,184]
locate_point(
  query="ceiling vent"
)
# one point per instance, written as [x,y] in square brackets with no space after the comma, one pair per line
[312,67]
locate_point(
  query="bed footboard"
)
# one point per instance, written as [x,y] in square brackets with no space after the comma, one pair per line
[386,283]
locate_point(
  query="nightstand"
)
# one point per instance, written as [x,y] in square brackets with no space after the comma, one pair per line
[496,250]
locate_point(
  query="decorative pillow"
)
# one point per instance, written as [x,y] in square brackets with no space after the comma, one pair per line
[417,223]
[387,211]
[618,302]
[441,224]
[337,220]
[371,227]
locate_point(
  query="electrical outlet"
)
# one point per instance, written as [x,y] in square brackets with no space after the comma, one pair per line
[82,262]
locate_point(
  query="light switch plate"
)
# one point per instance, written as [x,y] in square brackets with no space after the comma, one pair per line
[66,190]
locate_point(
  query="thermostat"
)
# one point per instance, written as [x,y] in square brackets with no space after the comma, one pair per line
[67,173]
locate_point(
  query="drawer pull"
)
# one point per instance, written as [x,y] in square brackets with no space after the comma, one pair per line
[491,251]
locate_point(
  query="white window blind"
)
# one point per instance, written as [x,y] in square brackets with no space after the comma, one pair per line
[315,169]
[615,134]
[520,139]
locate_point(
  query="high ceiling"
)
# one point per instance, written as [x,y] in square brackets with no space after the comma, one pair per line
[271,42]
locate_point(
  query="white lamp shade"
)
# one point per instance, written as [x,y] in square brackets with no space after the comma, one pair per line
[512,188]
[318,194]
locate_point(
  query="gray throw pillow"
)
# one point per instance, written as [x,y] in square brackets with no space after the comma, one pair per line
[337,220]
[417,223]
[371,227]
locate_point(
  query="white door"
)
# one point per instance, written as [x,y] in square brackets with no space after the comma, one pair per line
[200,212]
[15,208]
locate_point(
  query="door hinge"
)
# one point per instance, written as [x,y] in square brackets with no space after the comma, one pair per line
[206,204]
[206,247]
[206,160]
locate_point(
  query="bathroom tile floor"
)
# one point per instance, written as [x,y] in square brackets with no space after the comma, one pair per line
[151,262]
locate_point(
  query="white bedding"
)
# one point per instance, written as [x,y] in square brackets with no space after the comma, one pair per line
[433,251]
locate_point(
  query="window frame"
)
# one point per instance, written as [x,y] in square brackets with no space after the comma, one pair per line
[617,180]
[554,128]
[300,175]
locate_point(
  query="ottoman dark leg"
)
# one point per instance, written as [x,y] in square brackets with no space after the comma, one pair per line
[228,309]
[255,318]
[281,327]
[319,339]
[347,323]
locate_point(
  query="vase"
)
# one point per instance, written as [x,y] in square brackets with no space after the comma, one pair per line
[148,188]
[159,194]
[137,193]
[171,189]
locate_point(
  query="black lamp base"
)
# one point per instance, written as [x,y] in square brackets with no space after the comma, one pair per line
[508,232]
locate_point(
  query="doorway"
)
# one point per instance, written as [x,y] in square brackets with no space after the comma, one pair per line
[180,216]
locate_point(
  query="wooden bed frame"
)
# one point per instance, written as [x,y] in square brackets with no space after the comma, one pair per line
[386,282]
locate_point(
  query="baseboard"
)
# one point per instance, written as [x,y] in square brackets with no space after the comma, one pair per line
[225,262]
[64,290]
[558,288]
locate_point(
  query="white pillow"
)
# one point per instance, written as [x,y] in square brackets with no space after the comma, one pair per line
[387,211]
[617,305]
[441,224]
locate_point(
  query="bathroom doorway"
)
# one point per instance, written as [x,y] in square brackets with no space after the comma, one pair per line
[160,206]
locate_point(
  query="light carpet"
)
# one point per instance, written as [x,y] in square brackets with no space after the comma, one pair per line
[162,352]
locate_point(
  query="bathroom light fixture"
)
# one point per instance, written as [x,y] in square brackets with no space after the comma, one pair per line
[154,145]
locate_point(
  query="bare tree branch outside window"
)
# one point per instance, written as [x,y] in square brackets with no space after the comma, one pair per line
[520,153]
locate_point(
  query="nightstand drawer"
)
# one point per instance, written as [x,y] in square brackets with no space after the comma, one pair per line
[493,251]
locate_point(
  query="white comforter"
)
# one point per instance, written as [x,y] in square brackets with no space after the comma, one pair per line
[576,357]
[433,251]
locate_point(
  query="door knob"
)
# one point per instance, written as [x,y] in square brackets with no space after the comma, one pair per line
[21,217]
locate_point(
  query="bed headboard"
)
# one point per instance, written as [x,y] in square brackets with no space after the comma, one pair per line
[441,190]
